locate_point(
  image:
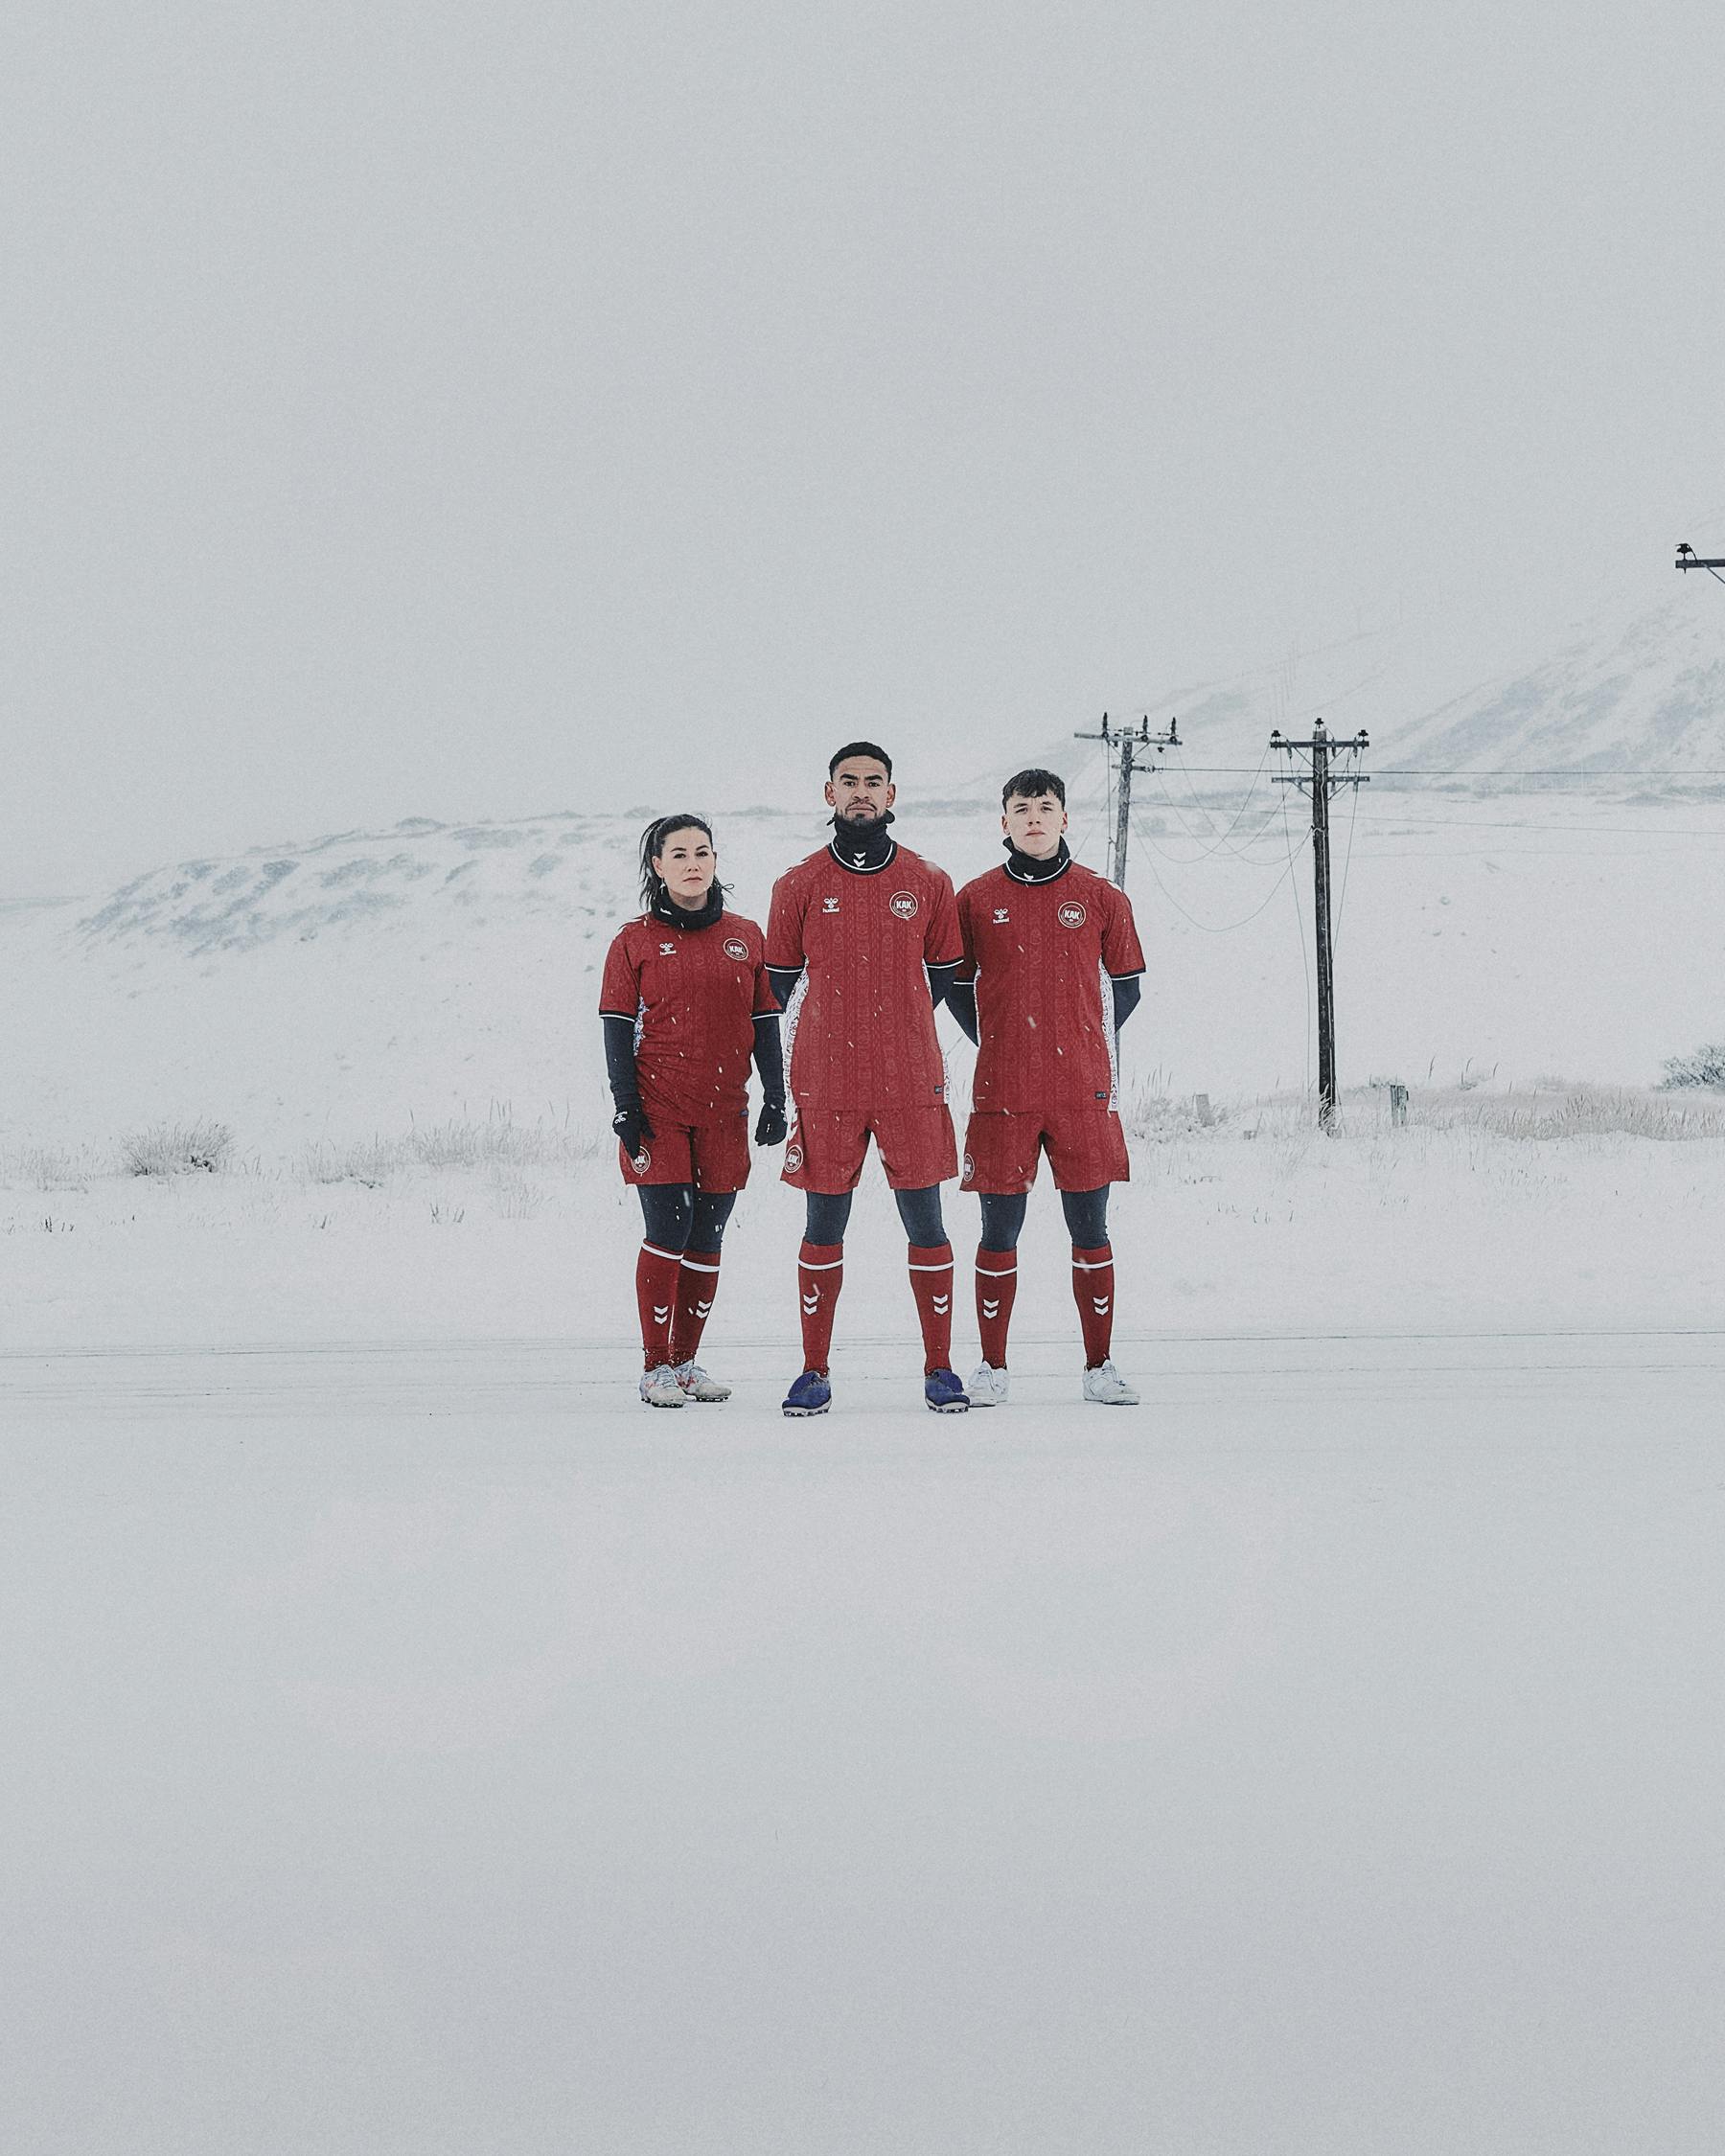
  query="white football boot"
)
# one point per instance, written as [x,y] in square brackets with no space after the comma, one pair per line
[988,1387]
[698,1385]
[659,1387]
[1108,1388]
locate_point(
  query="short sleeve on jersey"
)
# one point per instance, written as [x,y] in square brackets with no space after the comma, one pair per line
[785,924]
[1121,951]
[967,963]
[620,988]
[944,943]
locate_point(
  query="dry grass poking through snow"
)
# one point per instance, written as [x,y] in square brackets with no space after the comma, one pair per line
[498,1144]
[1572,1112]
[1541,1112]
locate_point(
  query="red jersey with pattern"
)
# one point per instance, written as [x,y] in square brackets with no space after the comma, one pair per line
[866,1035]
[1037,953]
[694,996]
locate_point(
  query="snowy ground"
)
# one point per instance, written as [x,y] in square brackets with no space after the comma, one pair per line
[418,1752]
[417,1747]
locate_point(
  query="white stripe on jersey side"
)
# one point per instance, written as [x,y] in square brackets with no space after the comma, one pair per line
[1111,1035]
[788,1018]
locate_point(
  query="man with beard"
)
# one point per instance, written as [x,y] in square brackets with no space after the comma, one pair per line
[870,931]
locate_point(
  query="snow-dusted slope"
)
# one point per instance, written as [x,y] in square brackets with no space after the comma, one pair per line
[1644,697]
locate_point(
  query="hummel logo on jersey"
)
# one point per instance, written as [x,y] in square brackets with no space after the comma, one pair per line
[1072,915]
[1001,913]
[829,905]
[903,905]
[667,951]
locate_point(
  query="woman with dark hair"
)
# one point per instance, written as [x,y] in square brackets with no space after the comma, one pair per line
[685,1004]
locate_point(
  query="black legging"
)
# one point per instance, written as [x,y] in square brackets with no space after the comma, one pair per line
[1086,1217]
[829,1215]
[681,1218]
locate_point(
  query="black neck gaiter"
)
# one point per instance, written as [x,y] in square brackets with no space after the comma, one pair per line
[1023,868]
[864,849]
[665,908]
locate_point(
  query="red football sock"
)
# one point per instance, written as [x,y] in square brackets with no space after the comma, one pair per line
[931,1284]
[997,1283]
[820,1276]
[655,1295]
[1093,1292]
[697,1284]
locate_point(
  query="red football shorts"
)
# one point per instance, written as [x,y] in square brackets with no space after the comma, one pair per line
[826,1147]
[1086,1148]
[712,1153]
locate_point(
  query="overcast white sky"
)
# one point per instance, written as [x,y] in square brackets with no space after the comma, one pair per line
[469,409]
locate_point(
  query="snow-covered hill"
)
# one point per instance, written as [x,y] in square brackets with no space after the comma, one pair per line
[1641,697]
[342,987]
[1636,694]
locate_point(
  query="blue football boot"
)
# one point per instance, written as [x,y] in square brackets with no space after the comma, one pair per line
[811,1396]
[944,1393]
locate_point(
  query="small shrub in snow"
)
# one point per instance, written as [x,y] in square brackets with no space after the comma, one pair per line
[177,1149]
[1705,1068]
[370,1161]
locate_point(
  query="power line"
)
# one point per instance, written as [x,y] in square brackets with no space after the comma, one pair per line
[1226,927]
[1435,771]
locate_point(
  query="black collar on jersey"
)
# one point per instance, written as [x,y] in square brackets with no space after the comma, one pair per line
[665,908]
[1026,868]
[864,855]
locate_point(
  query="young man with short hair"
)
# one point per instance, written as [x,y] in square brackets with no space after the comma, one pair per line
[1052,967]
[871,932]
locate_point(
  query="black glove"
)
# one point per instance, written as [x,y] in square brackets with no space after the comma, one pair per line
[632,1128]
[769,1124]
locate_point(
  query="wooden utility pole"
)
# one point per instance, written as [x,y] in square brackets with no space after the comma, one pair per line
[1129,741]
[1319,776]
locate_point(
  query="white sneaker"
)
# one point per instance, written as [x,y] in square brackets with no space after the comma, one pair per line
[659,1387]
[987,1387]
[1108,1388]
[698,1385]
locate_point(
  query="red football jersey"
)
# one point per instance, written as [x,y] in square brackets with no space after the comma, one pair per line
[864,1034]
[1037,953]
[693,996]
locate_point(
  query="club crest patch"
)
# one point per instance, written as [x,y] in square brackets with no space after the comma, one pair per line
[642,1161]
[903,905]
[970,1168]
[793,1159]
[735,948]
[1072,915]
